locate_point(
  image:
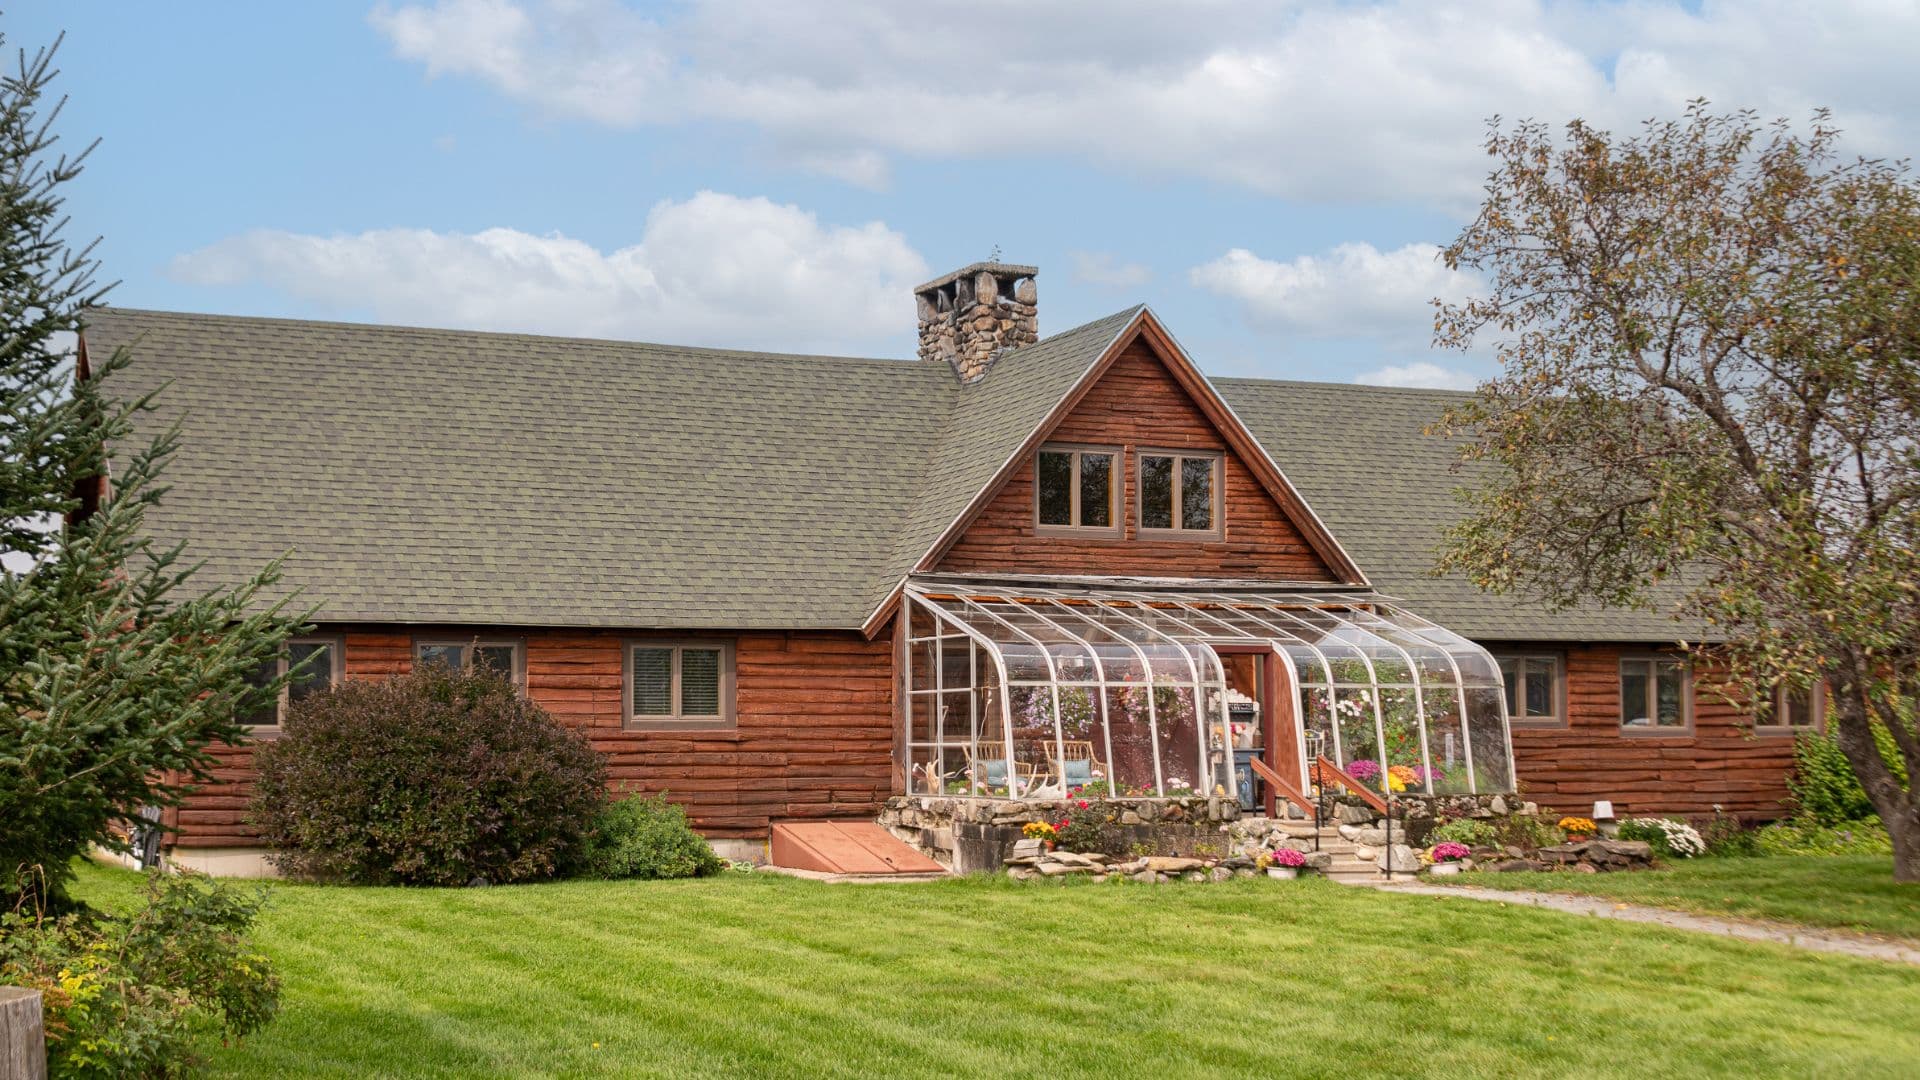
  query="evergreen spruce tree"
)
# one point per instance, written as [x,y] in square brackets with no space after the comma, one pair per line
[115,677]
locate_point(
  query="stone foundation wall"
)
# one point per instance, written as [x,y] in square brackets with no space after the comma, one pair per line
[971,835]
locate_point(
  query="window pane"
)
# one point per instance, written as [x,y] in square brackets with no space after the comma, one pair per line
[495,658]
[449,655]
[653,682]
[1196,493]
[1669,712]
[317,657]
[1096,489]
[1056,489]
[1634,695]
[700,682]
[1796,708]
[1509,677]
[1156,493]
[269,713]
[1539,688]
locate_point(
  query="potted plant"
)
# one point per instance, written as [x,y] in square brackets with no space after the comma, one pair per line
[1286,863]
[1447,856]
[1041,831]
[1578,828]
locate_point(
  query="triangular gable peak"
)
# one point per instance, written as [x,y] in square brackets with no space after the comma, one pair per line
[1145,395]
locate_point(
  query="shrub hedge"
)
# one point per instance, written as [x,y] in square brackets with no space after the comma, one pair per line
[638,837]
[435,778]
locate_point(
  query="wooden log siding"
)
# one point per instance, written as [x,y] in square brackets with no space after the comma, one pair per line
[1137,404]
[813,740]
[1720,762]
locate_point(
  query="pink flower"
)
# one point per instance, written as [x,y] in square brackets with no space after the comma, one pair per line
[1290,858]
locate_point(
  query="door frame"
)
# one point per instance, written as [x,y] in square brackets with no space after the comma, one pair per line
[1283,742]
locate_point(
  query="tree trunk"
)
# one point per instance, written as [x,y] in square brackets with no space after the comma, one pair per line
[1894,801]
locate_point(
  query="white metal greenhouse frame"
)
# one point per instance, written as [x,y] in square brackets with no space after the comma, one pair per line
[983,658]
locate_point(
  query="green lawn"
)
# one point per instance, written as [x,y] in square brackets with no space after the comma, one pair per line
[1849,892]
[763,975]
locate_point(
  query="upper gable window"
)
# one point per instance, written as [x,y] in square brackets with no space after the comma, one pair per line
[1180,494]
[1075,489]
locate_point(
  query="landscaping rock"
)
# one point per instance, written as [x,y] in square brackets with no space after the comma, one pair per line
[1498,805]
[1399,859]
[1020,873]
[1074,858]
[1349,832]
[1366,854]
[1168,864]
[1319,860]
[1350,814]
[1193,875]
[1244,872]
[1027,849]
[1147,877]
[1220,873]
[1513,866]
[1372,838]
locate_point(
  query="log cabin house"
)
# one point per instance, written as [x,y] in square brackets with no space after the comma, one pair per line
[785,588]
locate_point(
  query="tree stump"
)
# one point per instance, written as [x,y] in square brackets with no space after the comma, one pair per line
[23,1038]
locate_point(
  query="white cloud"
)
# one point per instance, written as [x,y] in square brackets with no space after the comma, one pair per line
[1107,270]
[1316,99]
[1420,373]
[715,270]
[1351,291]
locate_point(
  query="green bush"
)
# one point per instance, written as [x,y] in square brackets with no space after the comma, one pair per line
[1864,837]
[1093,827]
[1529,832]
[437,778]
[131,996]
[1728,838]
[1825,790]
[1464,831]
[647,837]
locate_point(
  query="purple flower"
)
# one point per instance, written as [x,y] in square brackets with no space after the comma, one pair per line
[1288,857]
[1363,769]
[1450,851]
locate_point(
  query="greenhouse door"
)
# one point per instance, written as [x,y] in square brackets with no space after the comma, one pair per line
[1264,722]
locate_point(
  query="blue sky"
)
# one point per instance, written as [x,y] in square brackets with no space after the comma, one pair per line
[1270,177]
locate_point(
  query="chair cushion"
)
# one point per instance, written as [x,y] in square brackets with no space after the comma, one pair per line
[1077,771]
[995,770]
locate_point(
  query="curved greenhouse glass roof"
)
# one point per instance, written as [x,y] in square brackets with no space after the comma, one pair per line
[1021,691]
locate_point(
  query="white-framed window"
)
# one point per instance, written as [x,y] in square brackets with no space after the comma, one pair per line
[1654,696]
[1796,709]
[1536,688]
[679,683]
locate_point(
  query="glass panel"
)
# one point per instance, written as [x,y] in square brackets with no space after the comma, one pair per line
[448,655]
[1316,716]
[924,655]
[268,714]
[1096,489]
[652,682]
[1796,707]
[495,658]
[1056,488]
[1359,742]
[700,682]
[1389,666]
[1406,769]
[317,674]
[1539,688]
[1180,767]
[1024,661]
[1668,710]
[1196,493]
[1509,679]
[952,719]
[953,663]
[1489,742]
[921,710]
[1156,493]
[1634,695]
[1073,662]
[1446,740]
[1132,772]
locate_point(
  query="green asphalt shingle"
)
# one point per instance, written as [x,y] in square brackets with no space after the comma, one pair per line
[439,476]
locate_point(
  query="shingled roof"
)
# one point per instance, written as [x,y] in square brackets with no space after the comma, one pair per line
[437,476]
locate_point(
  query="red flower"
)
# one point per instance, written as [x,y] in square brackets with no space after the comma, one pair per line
[1082,804]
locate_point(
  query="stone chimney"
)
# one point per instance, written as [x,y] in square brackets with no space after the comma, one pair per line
[971,316]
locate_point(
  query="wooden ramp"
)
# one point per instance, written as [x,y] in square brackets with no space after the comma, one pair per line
[859,848]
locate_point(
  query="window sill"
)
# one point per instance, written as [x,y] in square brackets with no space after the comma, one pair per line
[678,725]
[1079,532]
[1537,725]
[1781,729]
[1657,732]
[1192,536]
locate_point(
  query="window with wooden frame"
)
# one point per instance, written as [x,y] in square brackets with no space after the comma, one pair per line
[1076,490]
[679,684]
[316,663]
[1536,688]
[1654,696]
[1180,494]
[504,656]
[1795,709]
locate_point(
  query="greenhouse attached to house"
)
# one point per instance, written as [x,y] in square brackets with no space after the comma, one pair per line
[1029,692]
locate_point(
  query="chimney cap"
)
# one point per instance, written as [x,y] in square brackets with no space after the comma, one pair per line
[998,269]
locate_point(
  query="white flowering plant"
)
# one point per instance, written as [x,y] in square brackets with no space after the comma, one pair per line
[1669,837]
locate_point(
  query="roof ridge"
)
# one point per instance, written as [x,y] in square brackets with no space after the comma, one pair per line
[1329,384]
[513,335]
